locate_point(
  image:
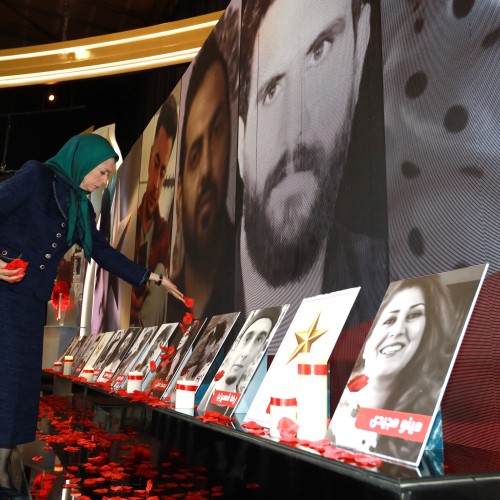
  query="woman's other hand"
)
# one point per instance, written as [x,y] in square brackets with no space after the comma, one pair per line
[11,275]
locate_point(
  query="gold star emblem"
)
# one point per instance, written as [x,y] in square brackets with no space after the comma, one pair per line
[307,338]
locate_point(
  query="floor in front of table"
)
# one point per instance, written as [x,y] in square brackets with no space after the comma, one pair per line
[102,453]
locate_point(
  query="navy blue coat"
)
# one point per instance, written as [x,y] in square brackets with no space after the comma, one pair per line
[33,214]
[33,227]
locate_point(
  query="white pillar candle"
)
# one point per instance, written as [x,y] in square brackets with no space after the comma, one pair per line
[88,373]
[312,397]
[283,406]
[184,394]
[134,381]
[58,366]
[68,365]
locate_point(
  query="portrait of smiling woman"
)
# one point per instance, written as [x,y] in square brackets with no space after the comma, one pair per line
[405,360]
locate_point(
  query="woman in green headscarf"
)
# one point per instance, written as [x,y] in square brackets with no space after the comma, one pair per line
[72,163]
[44,210]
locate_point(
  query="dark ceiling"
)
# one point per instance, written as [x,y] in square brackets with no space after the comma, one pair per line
[35,22]
[30,126]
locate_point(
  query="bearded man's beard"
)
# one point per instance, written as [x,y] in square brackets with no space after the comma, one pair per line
[230,380]
[284,248]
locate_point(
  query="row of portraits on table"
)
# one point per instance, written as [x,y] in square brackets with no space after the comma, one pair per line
[389,407]
[311,149]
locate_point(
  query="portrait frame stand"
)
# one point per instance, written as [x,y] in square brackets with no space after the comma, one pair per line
[251,390]
[433,456]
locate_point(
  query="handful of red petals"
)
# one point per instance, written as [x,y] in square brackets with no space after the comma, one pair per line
[17,264]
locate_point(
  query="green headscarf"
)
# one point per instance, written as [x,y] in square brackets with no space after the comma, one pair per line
[79,156]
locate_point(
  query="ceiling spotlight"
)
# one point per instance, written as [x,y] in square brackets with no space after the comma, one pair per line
[51,97]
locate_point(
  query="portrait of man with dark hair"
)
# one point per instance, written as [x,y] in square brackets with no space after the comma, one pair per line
[242,360]
[203,251]
[152,241]
[313,216]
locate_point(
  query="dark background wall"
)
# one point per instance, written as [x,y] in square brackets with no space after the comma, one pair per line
[31,127]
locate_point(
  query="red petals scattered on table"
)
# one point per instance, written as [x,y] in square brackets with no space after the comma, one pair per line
[216,417]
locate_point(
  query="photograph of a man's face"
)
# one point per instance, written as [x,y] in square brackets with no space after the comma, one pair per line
[243,358]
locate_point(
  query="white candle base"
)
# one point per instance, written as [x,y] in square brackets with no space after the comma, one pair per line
[134,381]
[312,394]
[278,409]
[68,365]
[88,374]
[184,394]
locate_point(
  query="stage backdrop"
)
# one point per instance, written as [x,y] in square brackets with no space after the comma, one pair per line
[326,145]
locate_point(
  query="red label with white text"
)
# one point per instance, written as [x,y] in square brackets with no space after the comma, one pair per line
[225,398]
[410,426]
[159,384]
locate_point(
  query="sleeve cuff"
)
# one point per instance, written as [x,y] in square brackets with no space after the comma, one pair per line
[145,278]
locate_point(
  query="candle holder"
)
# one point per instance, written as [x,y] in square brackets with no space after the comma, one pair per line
[88,373]
[134,381]
[312,396]
[68,365]
[283,406]
[184,394]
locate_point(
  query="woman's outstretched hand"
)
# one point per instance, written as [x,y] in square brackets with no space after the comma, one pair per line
[171,288]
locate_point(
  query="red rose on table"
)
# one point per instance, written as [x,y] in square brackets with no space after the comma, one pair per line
[357,383]
[287,428]
[17,264]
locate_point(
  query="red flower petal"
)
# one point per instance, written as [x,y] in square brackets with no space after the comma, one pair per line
[17,264]
[357,383]
[367,460]
[287,428]
[152,366]
[251,425]
[252,486]
[189,302]
[188,318]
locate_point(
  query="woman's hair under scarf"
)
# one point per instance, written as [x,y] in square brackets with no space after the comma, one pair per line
[79,156]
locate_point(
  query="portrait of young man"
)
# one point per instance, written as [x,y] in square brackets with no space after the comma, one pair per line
[241,362]
[152,241]
[311,158]
[203,266]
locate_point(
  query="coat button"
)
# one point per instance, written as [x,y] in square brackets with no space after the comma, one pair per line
[48,256]
[4,252]
[63,224]
[42,267]
[54,245]
[58,235]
